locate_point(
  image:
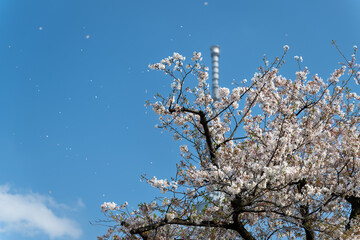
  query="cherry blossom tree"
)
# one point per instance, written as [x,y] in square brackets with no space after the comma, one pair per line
[274,158]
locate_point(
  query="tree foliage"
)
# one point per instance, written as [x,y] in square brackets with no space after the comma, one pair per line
[274,158]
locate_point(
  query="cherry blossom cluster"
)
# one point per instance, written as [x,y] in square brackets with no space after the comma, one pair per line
[111,206]
[163,184]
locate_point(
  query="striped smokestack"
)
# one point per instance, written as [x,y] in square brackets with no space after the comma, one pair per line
[215,55]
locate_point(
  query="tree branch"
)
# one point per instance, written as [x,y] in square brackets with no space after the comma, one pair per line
[204,124]
[178,221]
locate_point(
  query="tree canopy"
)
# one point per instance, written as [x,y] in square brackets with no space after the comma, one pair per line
[274,158]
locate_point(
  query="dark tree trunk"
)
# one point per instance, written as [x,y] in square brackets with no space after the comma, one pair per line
[355,209]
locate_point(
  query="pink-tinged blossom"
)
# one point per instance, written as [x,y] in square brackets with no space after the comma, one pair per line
[203,76]
[169,216]
[109,206]
[157,66]
[184,149]
[297,58]
[178,56]
[196,56]
[159,108]
[223,92]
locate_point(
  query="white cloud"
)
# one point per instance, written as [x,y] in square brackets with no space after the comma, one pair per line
[30,214]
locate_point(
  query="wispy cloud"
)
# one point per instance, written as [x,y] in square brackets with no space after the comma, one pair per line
[31,214]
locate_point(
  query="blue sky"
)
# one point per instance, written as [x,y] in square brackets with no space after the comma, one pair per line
[74,80]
